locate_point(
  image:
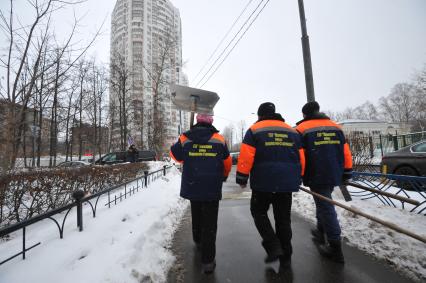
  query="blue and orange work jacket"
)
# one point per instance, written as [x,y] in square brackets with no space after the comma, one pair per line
[326,151]
[271,155]
[206,162]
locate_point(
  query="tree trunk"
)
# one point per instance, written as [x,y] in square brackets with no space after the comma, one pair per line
[54,124]
[80,141]
[33,135]
[125,116]
[95,110]
[100,140]
[67,129]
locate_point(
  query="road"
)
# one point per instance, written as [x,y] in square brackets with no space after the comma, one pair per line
[240,256]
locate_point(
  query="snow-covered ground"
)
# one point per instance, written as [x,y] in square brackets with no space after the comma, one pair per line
[126,243]
[406,254]
[157,165]
[129,242]
[414,195]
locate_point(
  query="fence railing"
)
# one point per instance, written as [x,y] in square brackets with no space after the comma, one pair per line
[408,187]
[80,198]
[379,145]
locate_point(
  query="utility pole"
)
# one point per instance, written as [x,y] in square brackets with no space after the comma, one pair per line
[309,80]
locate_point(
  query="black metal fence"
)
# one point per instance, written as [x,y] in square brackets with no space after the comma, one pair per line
[379,145]
[113,197]
[410,188]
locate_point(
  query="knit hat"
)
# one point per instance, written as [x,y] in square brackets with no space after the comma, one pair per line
[310,108]
[266,109]
[204,118]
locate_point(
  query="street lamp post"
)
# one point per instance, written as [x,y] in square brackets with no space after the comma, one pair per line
[309,80]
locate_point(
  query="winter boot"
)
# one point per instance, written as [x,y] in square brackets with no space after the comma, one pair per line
[208,268]
[285,262]
[318,236]
[273,252]
[332,251]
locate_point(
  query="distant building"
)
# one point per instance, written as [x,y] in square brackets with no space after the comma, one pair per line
[138,28]
[31,130]
[373,127]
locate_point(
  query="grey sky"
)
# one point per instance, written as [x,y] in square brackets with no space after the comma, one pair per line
[360,49]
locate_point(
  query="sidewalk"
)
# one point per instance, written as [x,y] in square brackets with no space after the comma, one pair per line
[239,254]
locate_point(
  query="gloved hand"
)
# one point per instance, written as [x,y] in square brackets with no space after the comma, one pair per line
[347,175]
[225,178]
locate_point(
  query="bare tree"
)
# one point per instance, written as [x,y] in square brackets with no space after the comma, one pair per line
[228,133]
[112,110]
[96,106]
[399,106]
[366,111]
[242,128]
[120,82]
[82,69]
[362,151]
[406,103]
[419,96]
[71,110]
[35,70]
[159,76]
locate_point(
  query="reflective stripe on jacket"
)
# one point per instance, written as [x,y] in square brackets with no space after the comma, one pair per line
[326,151]
[271,155]
[206,162]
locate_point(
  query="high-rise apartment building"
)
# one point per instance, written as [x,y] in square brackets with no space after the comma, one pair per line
[146,57]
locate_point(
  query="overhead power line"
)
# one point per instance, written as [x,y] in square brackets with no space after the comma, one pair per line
[223,39]
[232,40]
[230,51]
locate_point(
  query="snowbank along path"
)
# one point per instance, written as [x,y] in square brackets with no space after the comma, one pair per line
[406,254]
[126,243]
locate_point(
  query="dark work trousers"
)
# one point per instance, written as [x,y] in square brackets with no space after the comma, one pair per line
[326,214]
[204,227]
[281,205]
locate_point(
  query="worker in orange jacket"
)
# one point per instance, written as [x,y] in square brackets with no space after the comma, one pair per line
[271,155]
[206,165]
[328,164]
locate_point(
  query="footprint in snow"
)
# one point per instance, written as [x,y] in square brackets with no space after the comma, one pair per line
[83,255]
[125,218]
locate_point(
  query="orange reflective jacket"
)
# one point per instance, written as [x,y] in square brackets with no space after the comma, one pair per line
[271,154]
[326,151]
[206,162]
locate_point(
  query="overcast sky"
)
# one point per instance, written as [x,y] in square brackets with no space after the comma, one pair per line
[360,49]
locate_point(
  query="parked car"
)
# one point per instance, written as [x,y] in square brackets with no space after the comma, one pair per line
[410,160]
[121,157]
[78,163]
[147,155]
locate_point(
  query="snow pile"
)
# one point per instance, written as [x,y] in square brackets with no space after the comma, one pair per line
[126,243]
[414,195]
[157,165]
[405,253]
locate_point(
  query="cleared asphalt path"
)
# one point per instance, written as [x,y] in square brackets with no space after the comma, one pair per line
[239,254]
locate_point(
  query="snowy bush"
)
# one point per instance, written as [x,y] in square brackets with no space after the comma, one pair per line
[26,194]
[362,150]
